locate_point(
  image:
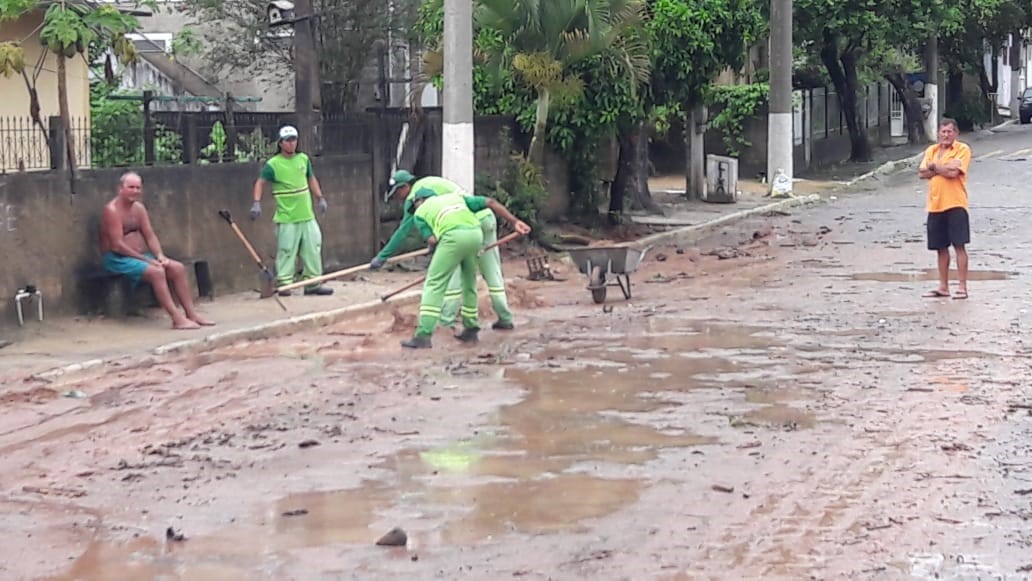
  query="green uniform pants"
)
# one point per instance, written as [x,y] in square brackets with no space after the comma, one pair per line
[304,238]
[456,252]
[490,263]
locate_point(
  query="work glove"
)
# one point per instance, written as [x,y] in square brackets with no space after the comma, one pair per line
[377,263]
[322,205]
[256,210]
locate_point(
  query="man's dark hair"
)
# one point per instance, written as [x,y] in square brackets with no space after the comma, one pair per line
[948,121]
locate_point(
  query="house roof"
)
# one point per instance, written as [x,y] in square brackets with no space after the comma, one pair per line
[188,79]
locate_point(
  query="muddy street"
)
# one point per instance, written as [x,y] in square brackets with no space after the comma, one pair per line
[777,401]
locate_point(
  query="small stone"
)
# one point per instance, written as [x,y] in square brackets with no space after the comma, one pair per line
[395,538]
[172,535]
[308,444]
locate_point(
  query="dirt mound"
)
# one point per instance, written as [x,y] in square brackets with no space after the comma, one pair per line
[403,322]
[520,297]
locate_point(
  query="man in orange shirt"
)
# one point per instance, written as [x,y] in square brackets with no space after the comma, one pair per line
[945,166]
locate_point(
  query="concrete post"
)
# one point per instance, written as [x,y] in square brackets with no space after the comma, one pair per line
[695,133]
[1014,57]
[457,133]
[307,93]
[931,88]
[779,118]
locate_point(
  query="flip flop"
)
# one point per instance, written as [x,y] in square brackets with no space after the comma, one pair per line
[960,295]
[935,294]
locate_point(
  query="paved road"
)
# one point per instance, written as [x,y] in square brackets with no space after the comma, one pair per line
[794,409]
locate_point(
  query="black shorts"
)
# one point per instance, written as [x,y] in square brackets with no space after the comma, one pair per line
[949,228]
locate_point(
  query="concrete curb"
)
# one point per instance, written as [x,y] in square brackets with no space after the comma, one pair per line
[216,340]
[887,168]
[696,231]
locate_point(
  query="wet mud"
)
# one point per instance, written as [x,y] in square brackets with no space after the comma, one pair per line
[737,418]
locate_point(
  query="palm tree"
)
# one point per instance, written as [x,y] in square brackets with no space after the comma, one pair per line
[541,39]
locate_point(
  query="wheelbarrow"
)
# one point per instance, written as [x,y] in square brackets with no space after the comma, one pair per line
[607,266]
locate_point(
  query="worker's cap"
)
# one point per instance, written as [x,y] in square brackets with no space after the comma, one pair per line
[421,193]
[287,132]
[398,179]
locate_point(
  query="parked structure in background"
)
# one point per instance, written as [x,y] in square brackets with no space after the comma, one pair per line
[157,71]
[1014,64]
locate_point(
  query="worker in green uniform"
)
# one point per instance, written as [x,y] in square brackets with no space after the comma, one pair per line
[404,185]
[448,223]
[297,232]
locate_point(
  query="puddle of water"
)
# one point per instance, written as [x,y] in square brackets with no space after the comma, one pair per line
[539,506]
[148,558]
[929,274]
[520,475]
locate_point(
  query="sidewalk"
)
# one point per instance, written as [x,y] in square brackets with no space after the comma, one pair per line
[668,190]
[61,342]
[58,345]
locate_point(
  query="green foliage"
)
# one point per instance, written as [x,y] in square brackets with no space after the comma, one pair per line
[216,150]
[254,147]
[12,59]
[186,43]
[735,104]
[973,110]
[13,9]
[692,41]
[116,133]
[522,187]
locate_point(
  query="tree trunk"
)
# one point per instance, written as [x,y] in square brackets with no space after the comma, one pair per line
[66,118]
[632,174]
[537,142]
[954,87]
[911,108]
[842,70]
[34,108]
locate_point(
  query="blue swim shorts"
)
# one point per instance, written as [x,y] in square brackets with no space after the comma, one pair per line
[127,265]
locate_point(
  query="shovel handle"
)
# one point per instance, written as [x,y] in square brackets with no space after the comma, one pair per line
[509,238]
[347,271]
[226,216]
[386,297]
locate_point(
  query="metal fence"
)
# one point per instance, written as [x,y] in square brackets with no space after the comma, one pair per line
[28,145]
[164,138]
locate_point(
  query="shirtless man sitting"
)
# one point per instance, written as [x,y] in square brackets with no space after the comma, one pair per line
[131,249]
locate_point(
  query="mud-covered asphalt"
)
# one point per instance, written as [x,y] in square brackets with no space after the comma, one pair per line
[775,402]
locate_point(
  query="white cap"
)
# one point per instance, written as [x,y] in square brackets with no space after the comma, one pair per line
[287,131]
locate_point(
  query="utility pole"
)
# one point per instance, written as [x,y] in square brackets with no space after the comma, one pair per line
[1015,79]
[779,118]
[695,148]
[307,93]
[457,134]
[931,88]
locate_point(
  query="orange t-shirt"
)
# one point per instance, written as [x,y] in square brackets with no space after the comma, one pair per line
[943,192]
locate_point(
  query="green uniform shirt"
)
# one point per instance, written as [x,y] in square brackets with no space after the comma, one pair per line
[436,184]
[289,179]
[446,212]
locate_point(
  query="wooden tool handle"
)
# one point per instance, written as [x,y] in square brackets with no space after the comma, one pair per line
[250,249]
[398,291]
[347,271]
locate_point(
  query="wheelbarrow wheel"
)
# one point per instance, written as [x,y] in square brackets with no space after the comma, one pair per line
[597,284]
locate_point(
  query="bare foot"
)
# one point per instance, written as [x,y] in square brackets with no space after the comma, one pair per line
[202,321]
[184,324]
